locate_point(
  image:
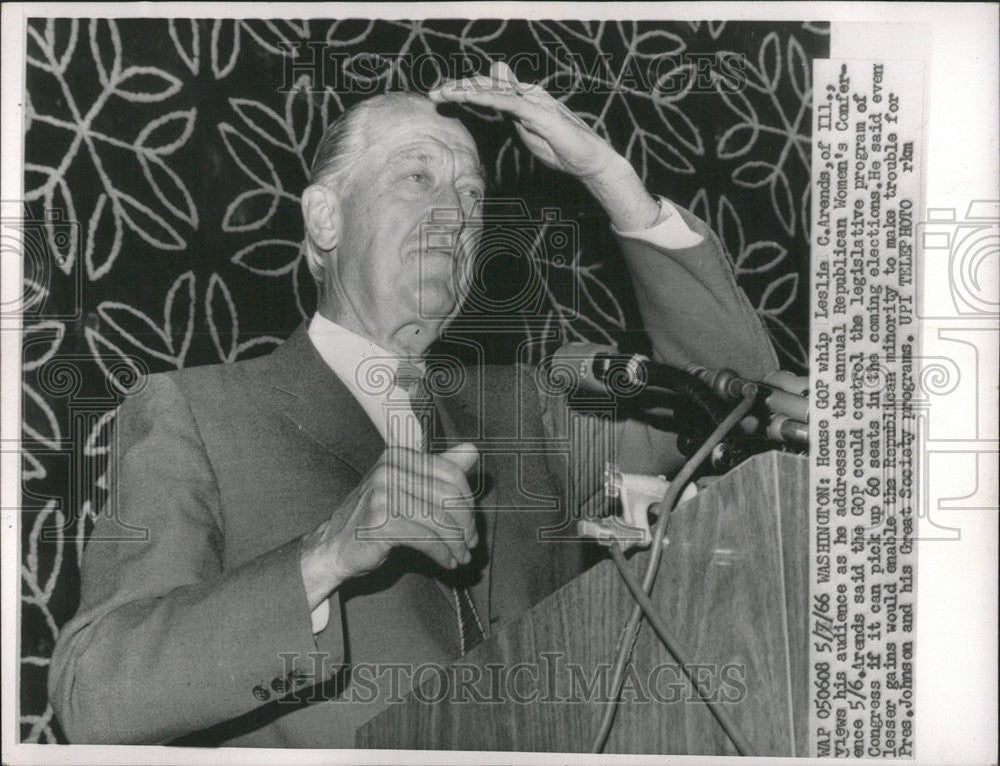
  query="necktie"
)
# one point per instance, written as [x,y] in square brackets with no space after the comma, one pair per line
[409,377]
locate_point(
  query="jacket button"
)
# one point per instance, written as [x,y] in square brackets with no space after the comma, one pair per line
[297,677]
[280,685]
[261,693]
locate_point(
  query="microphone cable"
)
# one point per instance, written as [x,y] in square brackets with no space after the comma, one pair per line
[645,606]
[651,614]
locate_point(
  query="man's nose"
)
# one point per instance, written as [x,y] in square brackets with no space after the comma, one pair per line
[446,221]
[450,203]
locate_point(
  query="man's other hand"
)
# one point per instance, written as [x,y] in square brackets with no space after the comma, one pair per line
[409,498]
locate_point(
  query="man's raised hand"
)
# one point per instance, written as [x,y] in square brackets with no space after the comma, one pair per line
[553,133]
[561,140]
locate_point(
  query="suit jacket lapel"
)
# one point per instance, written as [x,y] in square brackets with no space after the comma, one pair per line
[322,406]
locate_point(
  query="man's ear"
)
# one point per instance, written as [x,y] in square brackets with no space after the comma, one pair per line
[321,214]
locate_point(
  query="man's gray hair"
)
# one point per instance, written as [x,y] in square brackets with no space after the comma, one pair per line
[343,144]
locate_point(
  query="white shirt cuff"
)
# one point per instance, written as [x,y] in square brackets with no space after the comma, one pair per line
[669,233]
[320,616]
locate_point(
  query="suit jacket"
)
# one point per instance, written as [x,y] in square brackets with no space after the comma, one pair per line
[200,629]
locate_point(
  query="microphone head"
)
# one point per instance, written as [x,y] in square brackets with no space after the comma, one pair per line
[597,367]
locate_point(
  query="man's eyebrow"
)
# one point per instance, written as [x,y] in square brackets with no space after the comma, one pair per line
[478,172]
[421,154]
[411,153]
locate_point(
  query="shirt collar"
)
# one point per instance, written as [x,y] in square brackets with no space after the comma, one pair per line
[366,369]
[344,351]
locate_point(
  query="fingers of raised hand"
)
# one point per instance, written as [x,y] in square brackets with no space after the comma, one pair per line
[481,91]
[500,91]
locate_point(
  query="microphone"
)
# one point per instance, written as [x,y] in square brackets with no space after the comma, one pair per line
[603,369]
[783,429]
[598,368]
[773,390]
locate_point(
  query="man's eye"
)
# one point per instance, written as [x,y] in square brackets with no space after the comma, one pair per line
[418,176]
[473,193]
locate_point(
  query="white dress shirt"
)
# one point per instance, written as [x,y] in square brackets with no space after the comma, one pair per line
[368,370]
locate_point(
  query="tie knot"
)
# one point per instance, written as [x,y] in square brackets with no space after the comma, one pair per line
[409,377]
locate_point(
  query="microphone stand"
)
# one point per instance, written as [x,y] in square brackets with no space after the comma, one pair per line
[714,391]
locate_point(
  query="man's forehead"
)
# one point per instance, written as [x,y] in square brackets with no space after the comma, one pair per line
[400,125]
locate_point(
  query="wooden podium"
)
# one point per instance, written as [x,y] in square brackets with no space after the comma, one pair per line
[732,586]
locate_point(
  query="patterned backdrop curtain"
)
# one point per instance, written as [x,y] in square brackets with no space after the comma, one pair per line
[163,163]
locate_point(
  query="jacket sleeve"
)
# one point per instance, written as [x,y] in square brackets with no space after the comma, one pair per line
[691,307]
[165,641]
[693,311]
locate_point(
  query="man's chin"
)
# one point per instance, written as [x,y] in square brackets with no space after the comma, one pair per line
[435,303]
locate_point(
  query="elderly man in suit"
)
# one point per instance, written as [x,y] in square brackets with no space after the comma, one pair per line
[299,530]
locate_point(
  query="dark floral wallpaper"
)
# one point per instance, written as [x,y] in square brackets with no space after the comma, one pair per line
[163,163]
